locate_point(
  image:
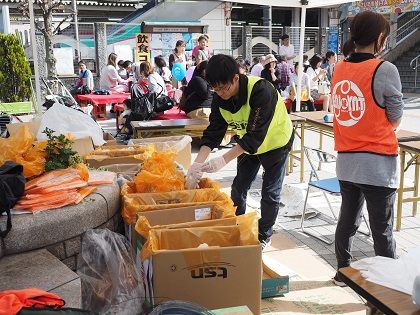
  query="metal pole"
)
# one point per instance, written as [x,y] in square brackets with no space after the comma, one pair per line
[270,23]
[34,54]
[301,43]
[76,29]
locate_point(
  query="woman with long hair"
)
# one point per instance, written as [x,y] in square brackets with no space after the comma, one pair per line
[317,76]
[155,83]
[110,79]
[329,62]
[179,56]
[198,94]
[368,107]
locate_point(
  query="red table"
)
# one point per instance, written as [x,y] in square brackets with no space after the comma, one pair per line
[99,101]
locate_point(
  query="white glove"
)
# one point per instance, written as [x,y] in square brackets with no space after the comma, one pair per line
[214,165]
[193,176]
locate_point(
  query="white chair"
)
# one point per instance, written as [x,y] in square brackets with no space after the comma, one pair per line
[327,186]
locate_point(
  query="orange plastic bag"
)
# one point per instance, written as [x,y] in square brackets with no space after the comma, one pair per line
[20,149]
[135,203]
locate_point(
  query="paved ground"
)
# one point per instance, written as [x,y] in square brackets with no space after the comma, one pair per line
[407,238]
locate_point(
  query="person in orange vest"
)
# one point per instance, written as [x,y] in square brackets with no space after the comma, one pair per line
[368,107]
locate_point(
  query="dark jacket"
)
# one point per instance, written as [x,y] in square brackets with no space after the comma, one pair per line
[199,94]
[266,74]
[263,101]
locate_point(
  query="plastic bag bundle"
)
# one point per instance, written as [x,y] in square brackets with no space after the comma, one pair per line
[110,281]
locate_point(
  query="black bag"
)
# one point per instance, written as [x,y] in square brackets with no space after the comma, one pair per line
[12,187]
[83,90]
[102,92]
[4,120]
[141,107]
[162,103]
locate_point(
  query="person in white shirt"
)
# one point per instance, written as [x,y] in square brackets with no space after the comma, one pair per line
[305,96]
[110,80]
[258,66]
[317,76]
[121,71]
[155,83]
[286,49]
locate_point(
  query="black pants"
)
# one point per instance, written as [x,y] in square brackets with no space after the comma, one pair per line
[248,166]
[380,206]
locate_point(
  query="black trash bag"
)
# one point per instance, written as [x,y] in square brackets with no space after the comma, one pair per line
[12,187]
[83,90]
[110,281]
[102,92]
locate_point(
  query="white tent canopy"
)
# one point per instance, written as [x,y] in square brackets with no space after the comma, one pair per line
[303,4]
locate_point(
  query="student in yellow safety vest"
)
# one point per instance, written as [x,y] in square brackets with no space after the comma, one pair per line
[255,111]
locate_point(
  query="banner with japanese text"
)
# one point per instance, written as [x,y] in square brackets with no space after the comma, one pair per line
[143,44]
[380,6]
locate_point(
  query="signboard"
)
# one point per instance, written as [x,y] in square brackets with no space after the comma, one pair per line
[332,44]
[380,6]
[170,30]
[143,47]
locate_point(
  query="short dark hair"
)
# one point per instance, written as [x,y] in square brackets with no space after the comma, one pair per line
[121,63]
[128,103]
[126,64]
[315,60]
[242,63]
[284,36]
[82,62]
[203,37]
[221,69]
[199,70]
[160,61]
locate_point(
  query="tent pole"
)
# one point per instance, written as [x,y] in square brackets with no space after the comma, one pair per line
[301,43]
[34,54]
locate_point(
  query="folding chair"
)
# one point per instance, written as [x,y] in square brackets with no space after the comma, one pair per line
[327,186]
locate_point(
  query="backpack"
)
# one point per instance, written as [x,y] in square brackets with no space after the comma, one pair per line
[12,187]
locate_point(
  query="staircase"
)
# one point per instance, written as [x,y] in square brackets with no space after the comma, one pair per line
[407,73]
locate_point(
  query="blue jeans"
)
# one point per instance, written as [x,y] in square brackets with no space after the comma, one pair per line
[380,207]
[274,163]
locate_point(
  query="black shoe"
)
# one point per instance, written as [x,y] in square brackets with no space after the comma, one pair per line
[338,281]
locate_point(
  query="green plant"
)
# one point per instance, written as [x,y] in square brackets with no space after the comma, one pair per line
[15,72]
[59,152]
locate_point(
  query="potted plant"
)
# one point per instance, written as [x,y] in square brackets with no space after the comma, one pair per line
[15,76]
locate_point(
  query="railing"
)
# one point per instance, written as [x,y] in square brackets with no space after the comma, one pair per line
[402,32]
[414,64]
[311,37]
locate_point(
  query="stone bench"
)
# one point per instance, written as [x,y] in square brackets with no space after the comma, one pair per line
[60,230]
[42,270]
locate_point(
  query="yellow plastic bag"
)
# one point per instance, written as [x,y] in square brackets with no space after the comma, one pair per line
[192,234]
[20,148]
[218,218]
[167,239]
[135,203]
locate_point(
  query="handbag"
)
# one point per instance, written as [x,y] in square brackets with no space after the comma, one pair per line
[12,187]
[161,102]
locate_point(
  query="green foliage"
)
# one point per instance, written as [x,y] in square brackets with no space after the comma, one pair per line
[59,152]
[15,72]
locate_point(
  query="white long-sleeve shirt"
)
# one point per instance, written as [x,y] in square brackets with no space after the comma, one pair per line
[110,78]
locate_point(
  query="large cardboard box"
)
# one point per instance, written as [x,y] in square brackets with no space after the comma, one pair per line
[83,146]
[211,277]
[33,126]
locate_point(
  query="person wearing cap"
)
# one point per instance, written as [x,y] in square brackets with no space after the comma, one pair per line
[271,72]
[255,111]
[286,49]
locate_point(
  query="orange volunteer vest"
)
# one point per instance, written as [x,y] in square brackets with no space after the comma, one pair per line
[360,123]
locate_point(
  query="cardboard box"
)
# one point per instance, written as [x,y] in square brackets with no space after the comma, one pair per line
[98,161]
[83,146]
[273,282]
[238,310]
[109,137]
[33,126]
[211,277]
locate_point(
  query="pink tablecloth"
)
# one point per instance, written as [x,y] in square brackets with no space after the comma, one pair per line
[103,99]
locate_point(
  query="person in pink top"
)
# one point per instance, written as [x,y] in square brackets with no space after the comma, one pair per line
[202,45]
